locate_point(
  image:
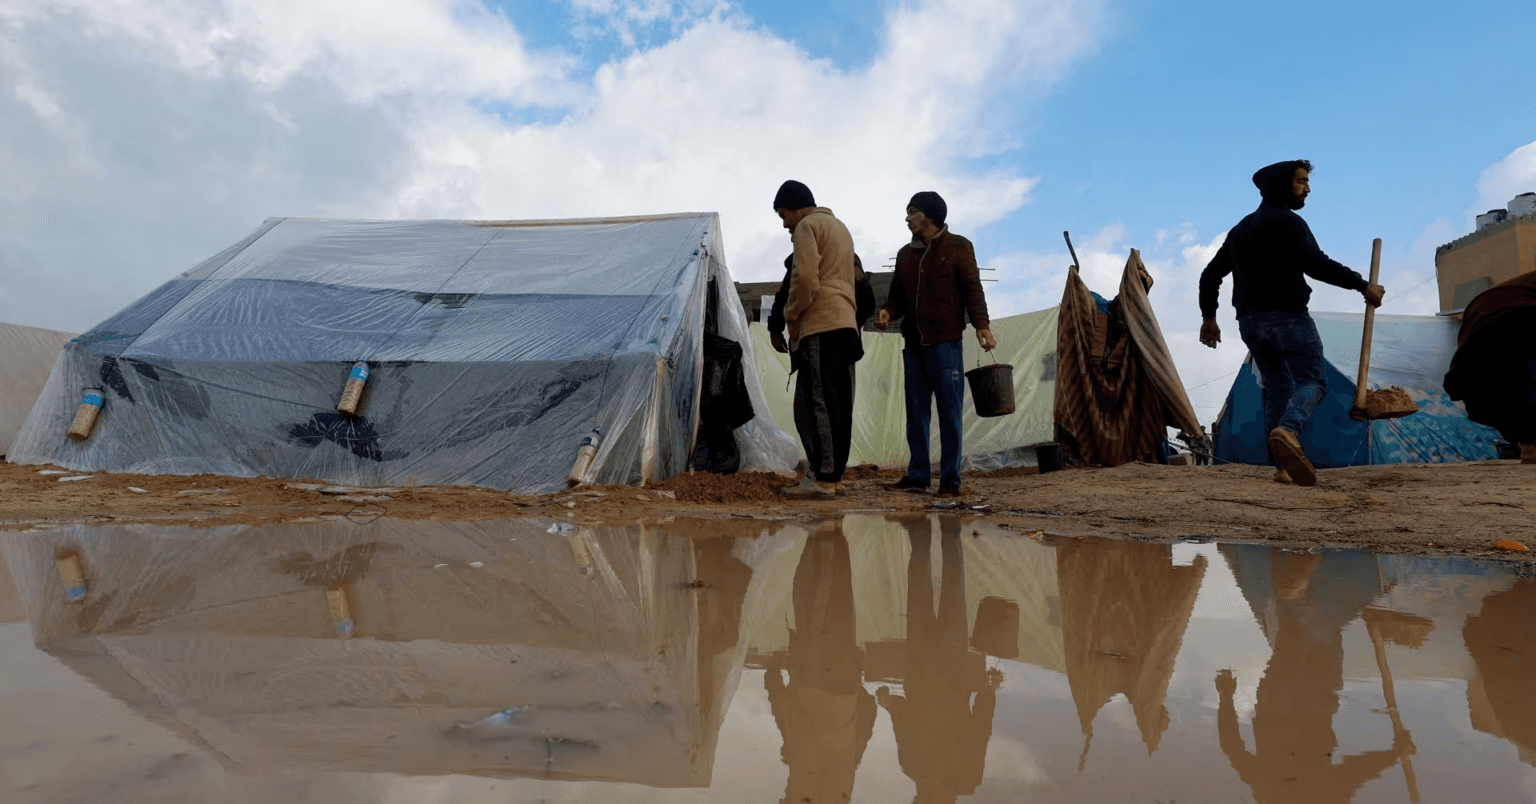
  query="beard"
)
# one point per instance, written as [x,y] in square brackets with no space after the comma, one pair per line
[1298,203]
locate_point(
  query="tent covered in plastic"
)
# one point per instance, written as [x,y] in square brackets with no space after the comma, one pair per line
[420,648]
[1117,389]
[1411,352]
[1027,342]
[27,354]
[494,349]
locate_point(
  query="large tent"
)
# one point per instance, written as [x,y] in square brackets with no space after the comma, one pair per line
[487,648]
[495,348]
[1412,352]
[1027,342]
[27,354]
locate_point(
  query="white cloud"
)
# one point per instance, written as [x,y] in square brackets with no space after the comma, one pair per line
[139,136]
[1507,178]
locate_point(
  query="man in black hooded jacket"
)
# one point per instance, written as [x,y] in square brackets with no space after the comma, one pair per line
[1269,253]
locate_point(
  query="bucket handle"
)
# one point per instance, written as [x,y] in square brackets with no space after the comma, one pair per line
[990,353]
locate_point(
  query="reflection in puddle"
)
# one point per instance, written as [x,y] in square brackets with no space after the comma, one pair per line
[925,659]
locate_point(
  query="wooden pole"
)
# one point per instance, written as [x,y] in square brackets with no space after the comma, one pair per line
[1387,691]
[1365,339]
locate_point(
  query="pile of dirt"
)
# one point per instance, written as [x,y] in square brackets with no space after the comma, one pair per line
[1389,403]
[707,487]
[868,471]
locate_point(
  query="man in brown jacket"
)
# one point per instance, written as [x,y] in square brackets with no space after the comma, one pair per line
[937,284]
[824,338]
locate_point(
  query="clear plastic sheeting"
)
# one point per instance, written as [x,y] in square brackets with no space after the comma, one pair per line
[485,648]
[1027,342]
[27,355]
[494,349]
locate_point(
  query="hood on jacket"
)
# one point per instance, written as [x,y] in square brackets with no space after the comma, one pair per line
[1274,181]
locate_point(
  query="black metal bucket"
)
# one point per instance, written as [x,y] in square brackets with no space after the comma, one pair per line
[991,389]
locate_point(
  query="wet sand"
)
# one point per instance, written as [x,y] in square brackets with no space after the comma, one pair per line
[1441,509]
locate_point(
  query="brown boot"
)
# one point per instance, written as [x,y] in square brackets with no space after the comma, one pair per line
[1528,453]
[1287,447]
[1282,477]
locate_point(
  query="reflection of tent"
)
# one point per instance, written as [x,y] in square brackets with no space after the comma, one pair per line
[1494,368]
[1027,342]
[27,354]
[494,347]
[1118,390]
[584,655]
[11,610]
[1408,351]
[1124,608]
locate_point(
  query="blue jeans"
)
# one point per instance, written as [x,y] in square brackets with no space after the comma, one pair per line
[1288,355]
[934,372]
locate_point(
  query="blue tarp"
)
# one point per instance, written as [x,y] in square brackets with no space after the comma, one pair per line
[1412,352]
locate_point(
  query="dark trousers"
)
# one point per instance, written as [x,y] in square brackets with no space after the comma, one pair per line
[932,373]
[1288,355]
[824,401]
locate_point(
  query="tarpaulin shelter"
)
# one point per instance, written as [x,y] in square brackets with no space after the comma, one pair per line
[495,348]
[27,355]
[487,648]
[1117,389]
[1027,342]
[1494,368]
[1412,352]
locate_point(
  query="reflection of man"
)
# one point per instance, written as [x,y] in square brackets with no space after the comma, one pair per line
[824,713]
[941,741]
[1314,598]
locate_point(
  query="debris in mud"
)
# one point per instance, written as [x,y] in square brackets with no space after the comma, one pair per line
[1511,544]
[706,487]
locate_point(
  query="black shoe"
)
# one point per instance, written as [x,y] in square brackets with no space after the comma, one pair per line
[949,491]
[909,484]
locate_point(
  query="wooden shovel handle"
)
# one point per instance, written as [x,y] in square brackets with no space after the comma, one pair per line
[1389,694]
[1370,322]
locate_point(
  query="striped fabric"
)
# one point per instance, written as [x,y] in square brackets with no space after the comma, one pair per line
[1117,389]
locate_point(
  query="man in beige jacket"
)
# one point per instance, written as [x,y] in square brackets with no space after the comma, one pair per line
[824,342]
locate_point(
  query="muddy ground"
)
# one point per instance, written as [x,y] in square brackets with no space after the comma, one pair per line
[1457,509]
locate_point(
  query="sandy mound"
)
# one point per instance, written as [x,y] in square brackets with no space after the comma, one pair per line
[1389,403]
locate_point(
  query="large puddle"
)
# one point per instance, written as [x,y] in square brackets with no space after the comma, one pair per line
[927,659]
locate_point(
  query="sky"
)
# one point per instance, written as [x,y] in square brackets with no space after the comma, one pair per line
[138,137]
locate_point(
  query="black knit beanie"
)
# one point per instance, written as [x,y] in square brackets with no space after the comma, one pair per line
[929,203]
[793,195]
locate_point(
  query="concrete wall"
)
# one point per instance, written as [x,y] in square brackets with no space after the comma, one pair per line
[1483,259]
